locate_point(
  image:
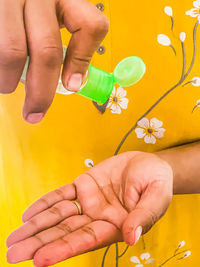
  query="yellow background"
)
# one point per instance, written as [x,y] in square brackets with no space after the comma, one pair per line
[37,159]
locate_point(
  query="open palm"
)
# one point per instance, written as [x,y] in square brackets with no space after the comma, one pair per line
[118,197]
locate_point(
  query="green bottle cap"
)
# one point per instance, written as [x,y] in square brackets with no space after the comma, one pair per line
[129,71]
[98,86]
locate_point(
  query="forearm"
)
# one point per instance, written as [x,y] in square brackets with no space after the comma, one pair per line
[185,162]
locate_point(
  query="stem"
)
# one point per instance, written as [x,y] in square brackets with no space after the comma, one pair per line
[194,108]
[117,254]
[104,256]
[184,61]
[144,246]
[176,251]
[194,49]
[183,77]
[172,257]
[172,20]
[124,251]
[173,49]
[186,83]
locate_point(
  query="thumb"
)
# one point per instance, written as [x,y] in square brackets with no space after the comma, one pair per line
[151,207]
[88,26]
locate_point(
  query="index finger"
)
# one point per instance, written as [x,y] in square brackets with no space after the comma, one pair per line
[45,47]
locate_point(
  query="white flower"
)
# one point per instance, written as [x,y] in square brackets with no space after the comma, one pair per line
[149,261]
[150,131]
[143,256]
[181,244]
[89,163]
[194,12]
[196,81]
[117,100]
[187,254]
[182,36]
[164,40]
[134,259]
[168,11]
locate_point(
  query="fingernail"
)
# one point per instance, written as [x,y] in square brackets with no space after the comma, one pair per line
[138,233]
[75,82]
[34,117]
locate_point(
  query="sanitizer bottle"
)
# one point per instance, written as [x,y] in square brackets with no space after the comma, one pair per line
[99,84]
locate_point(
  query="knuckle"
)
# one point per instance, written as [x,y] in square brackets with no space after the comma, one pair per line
[80,60]
[38,238]
[34,223]
[64,227]
[99,25]
[55,211]
[59,193]
[45,201]
[12,56]
[90,231]
[50,55]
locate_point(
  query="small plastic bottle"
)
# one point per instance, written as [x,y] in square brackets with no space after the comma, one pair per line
[99,84]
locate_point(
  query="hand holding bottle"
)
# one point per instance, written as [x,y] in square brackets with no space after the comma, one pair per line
[31,27]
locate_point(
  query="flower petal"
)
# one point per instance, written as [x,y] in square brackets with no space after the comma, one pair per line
[134,259]
[145,256]
[121,92]
[196,81]
[144,122]
[194,12]
[163,39]
[115,109]
[149,261]
[168,11]
[187,254]
[196,4]
[123,102]
[155,123]
[159,133]
[181,244]
[198,103]
[182,36]
[140,132]
[149,139]
[139,265]
[109,103]
[89,163]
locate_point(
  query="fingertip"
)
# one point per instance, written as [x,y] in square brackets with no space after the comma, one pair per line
[40,260]
[132,237]
[8,242]
[74,83]
[13,255]
[34,118]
